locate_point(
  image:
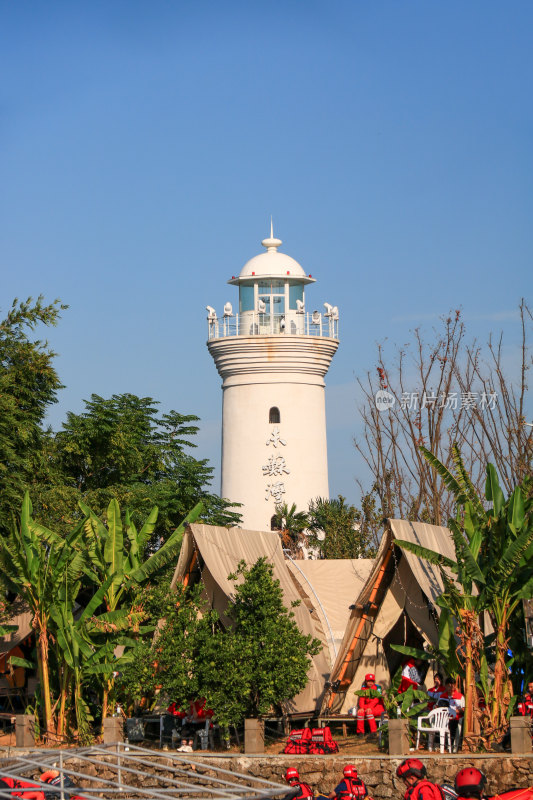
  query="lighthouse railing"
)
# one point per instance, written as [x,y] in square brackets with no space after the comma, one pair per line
[291,324]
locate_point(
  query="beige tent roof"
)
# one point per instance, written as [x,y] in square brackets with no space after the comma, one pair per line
[432,537]
[220,550]
[400,586]
[331,586]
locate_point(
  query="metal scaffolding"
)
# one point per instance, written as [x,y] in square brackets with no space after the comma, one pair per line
[128,771]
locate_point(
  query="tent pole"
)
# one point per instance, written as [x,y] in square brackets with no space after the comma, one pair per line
[362,621]
[187,576]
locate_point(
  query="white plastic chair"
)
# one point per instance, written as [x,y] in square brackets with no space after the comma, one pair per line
[437,723]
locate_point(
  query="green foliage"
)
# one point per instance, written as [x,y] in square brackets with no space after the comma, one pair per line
[336,530]
[119,553]
[169,660]
[263,651]
[414,652]
[28,385]
[121,448]
[291,525]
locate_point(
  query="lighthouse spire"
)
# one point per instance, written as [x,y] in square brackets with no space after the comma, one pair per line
[271,243]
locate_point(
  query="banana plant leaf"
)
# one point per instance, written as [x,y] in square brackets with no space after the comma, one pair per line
[168,551]
[15,661]
[512,703]
[429,555]
[413,652]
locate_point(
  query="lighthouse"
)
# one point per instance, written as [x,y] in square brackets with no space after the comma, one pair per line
[272,354]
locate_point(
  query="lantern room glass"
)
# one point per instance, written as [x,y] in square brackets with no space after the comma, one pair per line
[272,293]
[246,298]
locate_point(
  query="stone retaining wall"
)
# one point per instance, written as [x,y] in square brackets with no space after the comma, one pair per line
[323,773]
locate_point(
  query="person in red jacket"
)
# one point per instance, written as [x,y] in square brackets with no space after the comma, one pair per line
[292,776]
[525,706]
[436,691]
[456,704]
[413,773]
[351,786]
[16,788]
[411,675]
[369,708]
[471,783]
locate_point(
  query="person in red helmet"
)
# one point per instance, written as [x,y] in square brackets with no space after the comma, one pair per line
[471,782]
[351,786]
[413,773]
[369,708]
[292,776]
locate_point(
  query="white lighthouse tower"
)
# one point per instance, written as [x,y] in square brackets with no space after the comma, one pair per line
[272,357]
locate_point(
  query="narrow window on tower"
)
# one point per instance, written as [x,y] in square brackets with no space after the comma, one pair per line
[273,523]
[273,415]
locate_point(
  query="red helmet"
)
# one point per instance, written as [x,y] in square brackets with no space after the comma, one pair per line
[370,678]
[350,771]
[292,774]
[49,775]
[411,766]
[470,782]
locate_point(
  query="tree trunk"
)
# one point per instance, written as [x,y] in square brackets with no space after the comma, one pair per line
[105,698]
[500,700]
[42,658]
[62,718]
[469,690]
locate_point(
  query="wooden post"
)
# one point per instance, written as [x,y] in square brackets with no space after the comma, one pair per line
[521,734]
[25,730]
[254,736]
[113,730]
[398,737]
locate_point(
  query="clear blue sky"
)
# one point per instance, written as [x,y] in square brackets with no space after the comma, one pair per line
[144,146]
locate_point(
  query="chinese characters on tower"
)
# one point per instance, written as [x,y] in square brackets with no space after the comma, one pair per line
[275,467]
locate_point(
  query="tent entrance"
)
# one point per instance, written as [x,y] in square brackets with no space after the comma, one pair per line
[403,633]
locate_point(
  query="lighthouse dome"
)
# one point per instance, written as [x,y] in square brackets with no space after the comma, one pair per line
[272,264]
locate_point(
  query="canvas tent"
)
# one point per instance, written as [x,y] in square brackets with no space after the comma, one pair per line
[209,554]
[396,605]
[329,586]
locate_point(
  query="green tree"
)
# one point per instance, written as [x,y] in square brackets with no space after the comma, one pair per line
[336,529]
[291,525]
[28,386]
[34,563]
[118,560]
[169,658]
[121,448]
[264,652]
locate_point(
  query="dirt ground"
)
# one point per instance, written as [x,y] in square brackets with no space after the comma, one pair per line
[348,745]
